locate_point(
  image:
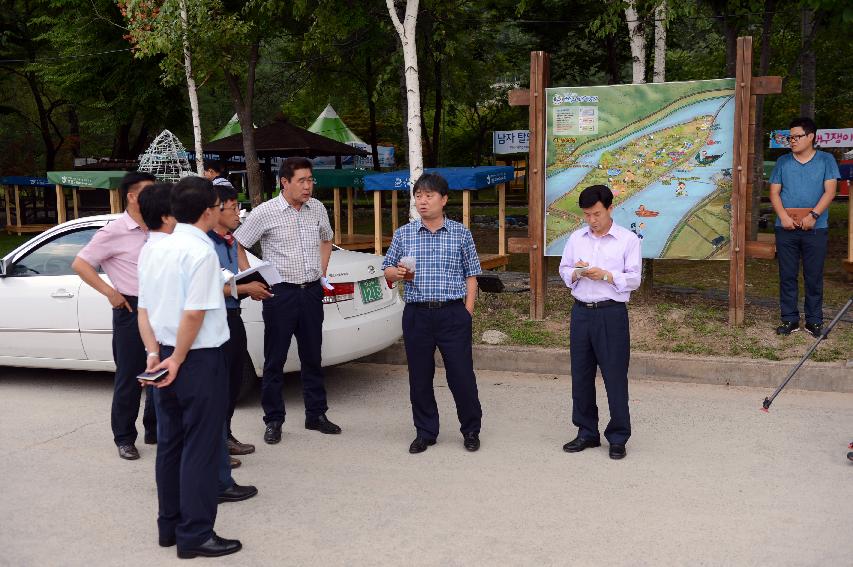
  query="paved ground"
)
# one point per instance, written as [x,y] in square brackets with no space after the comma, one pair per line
[709,480]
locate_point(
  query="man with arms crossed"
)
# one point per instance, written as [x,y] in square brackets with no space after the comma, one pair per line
[115,248]
[805,178]
[602,265]
[296,239]
[183,324]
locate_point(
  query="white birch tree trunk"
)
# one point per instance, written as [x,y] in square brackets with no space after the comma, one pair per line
[638,43]
[191,88]
[659,74]
[406,31]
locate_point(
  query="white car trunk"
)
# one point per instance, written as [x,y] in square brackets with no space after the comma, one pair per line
[370,292]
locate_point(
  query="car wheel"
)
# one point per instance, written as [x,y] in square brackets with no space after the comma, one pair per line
[250,379]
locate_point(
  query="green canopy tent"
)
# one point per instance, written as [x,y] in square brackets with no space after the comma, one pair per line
[351,179]
[109,180]
[330,125]
[231,127]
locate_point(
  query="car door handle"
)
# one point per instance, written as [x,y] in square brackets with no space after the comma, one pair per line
[62,294]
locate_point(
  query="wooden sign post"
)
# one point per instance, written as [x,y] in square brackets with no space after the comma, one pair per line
[534,244]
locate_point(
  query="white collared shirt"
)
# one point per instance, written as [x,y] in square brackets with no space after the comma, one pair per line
[153,238]
[181,273]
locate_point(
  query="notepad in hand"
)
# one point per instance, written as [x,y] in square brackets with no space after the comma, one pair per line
[263,272]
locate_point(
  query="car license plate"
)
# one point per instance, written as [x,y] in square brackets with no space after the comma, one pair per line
[370,290]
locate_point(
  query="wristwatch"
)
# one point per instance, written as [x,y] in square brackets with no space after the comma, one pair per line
[604,277]
[814,215]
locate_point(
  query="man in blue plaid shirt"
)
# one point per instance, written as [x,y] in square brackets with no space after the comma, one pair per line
[440,293]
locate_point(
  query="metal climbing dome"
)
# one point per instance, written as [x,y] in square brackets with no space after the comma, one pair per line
[166,158]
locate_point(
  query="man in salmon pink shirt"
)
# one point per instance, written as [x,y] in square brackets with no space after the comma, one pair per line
[115,249]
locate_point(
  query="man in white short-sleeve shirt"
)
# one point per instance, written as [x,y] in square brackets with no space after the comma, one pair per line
[183,325]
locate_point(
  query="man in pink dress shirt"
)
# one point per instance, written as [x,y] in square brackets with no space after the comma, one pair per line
[601,265]
[115,248]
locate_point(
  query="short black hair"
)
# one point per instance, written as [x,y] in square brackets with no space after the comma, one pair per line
[155,203]
[214,165]
[291,164]
[131,178]
[226,192]
[190,197]
[594,194]
[432,182]
[804,122]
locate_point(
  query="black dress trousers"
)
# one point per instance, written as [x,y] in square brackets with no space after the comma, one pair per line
[293,310]
[449,329]
[190,445]
[129,357]
[599,337]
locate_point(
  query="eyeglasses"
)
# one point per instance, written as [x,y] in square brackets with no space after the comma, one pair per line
[234,208]
[796,137]
[221,206]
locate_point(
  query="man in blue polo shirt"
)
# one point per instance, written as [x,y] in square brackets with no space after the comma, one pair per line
[439,296]
[804,179]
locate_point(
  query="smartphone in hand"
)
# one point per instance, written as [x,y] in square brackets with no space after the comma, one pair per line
[153,377]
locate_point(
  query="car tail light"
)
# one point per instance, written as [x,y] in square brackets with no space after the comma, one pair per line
[342,292]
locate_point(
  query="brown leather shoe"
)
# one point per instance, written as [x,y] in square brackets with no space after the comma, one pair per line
[237,448]
[128,452]
[235,463]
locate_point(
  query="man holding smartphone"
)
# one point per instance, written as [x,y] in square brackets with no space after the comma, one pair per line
[183,324]
[602,265]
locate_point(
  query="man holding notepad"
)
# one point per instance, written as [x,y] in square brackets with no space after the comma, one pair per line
[296,239]
[802,186]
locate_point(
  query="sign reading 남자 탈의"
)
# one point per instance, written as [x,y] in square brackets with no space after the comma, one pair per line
[511,141]
[664,149]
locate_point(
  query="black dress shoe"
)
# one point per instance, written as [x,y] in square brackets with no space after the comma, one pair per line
[128,452]
[579,443]
[237,448]
[237,493]
[234,463]
[168,541]
[150,438]
[322,424]
[214,547]
[617,451]
[419,445]
[471,441]
[273,433]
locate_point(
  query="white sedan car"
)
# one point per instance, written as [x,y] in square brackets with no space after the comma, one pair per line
[50,319]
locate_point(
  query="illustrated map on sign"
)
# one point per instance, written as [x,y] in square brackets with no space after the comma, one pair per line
[665,150]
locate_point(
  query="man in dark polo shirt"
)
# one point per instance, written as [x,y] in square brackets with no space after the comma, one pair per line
[439,297]
[803,179]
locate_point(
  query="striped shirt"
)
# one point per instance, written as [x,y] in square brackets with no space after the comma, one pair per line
[290,239]
[443,260]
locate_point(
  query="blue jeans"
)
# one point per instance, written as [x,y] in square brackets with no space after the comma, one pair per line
[792,248]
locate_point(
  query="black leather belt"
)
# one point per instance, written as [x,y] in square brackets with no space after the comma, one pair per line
[297,285]
[598,304]
[434,304]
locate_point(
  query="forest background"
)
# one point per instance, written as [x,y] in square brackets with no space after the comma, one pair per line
[77,80]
